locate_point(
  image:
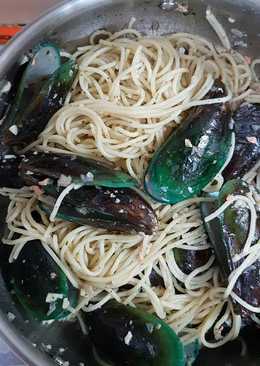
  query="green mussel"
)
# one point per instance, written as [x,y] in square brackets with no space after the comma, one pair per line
[247,148]
[228,234]
[65,169]
[8,91]
[39,285]
[127,336]
[41,93]
[194,153]
[101,196]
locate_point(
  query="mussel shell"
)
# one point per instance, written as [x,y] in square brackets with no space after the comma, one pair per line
[235,219]
[247,149]
[46,59]
[177,171]
[114,209]
[44,62]
[8,92]
[31,117]
[9,172]
[156,280]
[248,288]
[243,351]
[9,88]
[103,198]
[85,171]
[34,275]
[126,336]
[214,231]
[189,260]
[228,234]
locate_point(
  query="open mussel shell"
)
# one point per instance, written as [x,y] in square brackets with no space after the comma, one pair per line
[31,121]
[102,196]
[247,148]
[45,61]
[73,169]
[39,285]
[194,153]
[114,209]
[41,93]
[124,336]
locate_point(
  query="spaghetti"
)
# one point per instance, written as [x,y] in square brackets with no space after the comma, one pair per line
[130,92]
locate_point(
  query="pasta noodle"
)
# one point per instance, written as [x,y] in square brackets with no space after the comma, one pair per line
[218,28]
[130,92]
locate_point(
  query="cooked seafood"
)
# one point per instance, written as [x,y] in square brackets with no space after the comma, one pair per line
[247,149]
[99,196]
[123,335]
[193,155]
[42,90]
[39,285]
[229,233]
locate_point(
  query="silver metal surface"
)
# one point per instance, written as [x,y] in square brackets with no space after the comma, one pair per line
[69,25]
[167,4]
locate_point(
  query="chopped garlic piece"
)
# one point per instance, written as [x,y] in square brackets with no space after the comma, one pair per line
[51,297]
[188,143]
[14,130]
[128,338]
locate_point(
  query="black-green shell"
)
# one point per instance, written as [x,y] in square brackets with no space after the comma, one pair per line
[125,336]
[32,277]
[193,155]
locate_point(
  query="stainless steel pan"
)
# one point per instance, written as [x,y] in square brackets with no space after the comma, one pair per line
[69,25]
